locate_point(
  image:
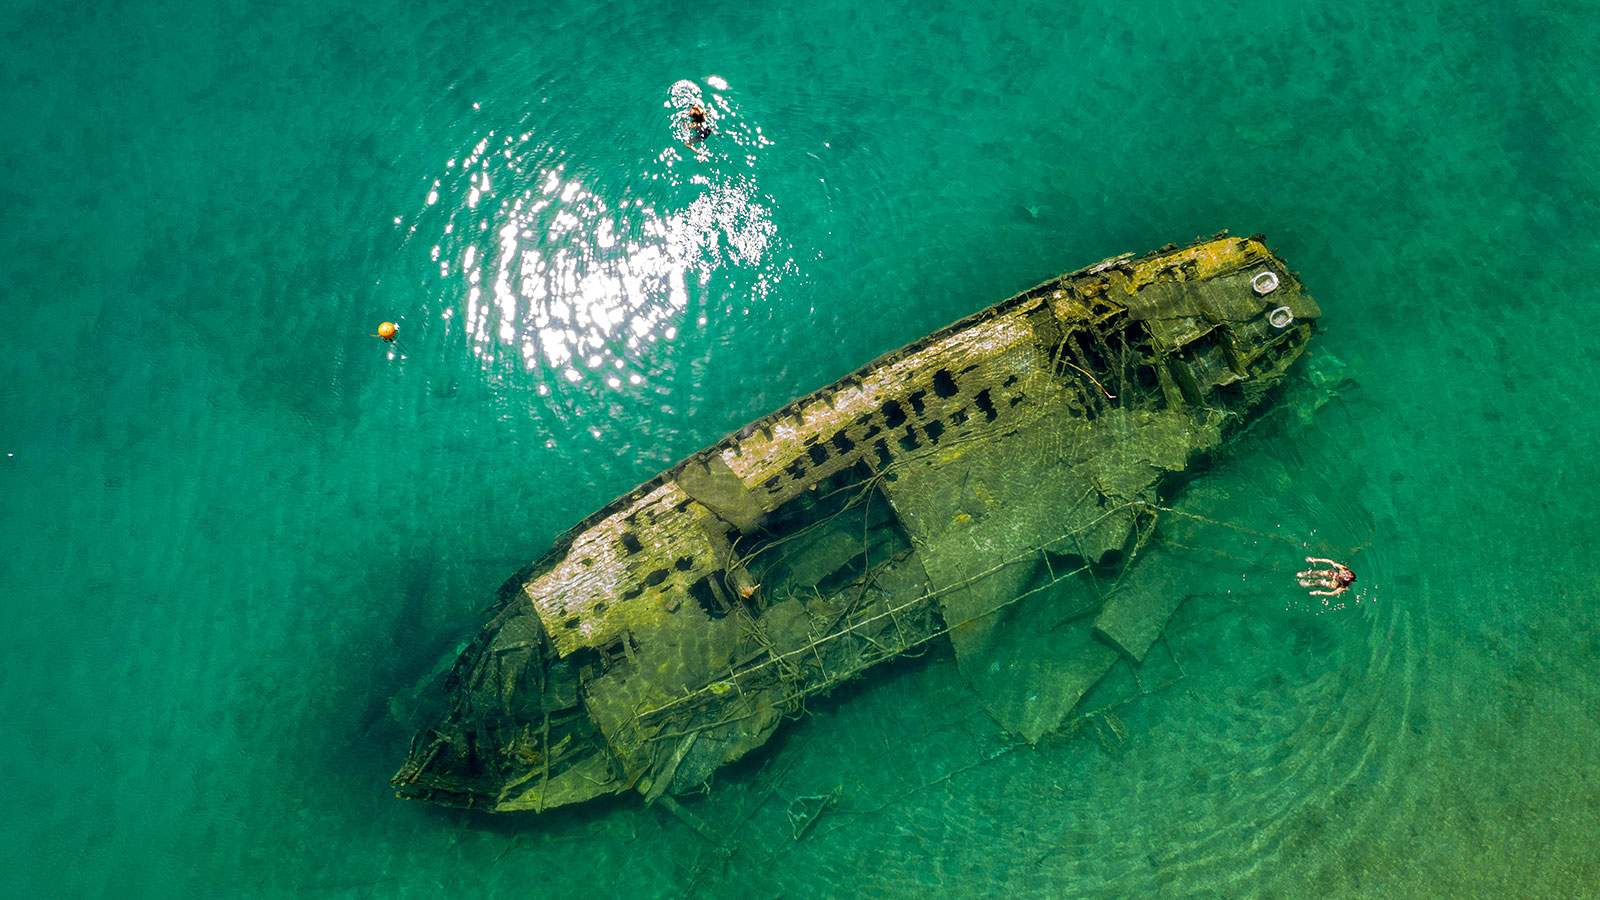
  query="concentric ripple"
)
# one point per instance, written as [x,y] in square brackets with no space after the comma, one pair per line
[1292,711]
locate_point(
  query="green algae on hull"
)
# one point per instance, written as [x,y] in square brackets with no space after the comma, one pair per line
[951,488]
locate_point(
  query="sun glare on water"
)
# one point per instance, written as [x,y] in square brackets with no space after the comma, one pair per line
[576,282]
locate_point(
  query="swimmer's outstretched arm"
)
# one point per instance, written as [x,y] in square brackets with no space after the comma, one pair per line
[1318,559]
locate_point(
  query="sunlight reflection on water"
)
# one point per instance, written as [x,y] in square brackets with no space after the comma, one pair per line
[578,282]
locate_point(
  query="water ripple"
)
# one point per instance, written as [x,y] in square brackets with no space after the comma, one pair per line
[568,280]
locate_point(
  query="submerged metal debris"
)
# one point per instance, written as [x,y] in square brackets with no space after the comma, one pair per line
[961,487]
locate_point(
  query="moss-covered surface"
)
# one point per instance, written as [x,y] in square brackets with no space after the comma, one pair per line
[978,484]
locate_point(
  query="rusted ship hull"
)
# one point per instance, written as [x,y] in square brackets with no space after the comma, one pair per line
[991,467]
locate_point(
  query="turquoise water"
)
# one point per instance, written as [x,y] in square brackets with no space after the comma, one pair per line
[235,524]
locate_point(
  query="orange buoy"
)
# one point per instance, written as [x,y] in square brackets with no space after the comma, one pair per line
[387,330]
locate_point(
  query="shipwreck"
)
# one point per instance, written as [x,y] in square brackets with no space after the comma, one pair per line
[1011,462]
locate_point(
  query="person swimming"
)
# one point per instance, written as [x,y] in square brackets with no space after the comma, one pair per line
[1333,581]
[699,126]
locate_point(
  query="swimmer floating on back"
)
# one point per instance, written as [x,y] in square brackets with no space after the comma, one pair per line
[1333,581]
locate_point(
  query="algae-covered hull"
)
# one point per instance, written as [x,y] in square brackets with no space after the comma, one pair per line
[996,466]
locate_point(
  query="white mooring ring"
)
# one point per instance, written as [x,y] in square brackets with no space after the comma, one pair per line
[1264,283]
[1281,317]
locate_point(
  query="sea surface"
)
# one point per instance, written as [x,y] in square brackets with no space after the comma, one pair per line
[234,524]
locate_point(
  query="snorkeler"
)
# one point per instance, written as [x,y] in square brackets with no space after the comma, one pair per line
[1333,582]
[699,126]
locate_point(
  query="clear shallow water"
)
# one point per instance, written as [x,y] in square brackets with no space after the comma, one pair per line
[234,524]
